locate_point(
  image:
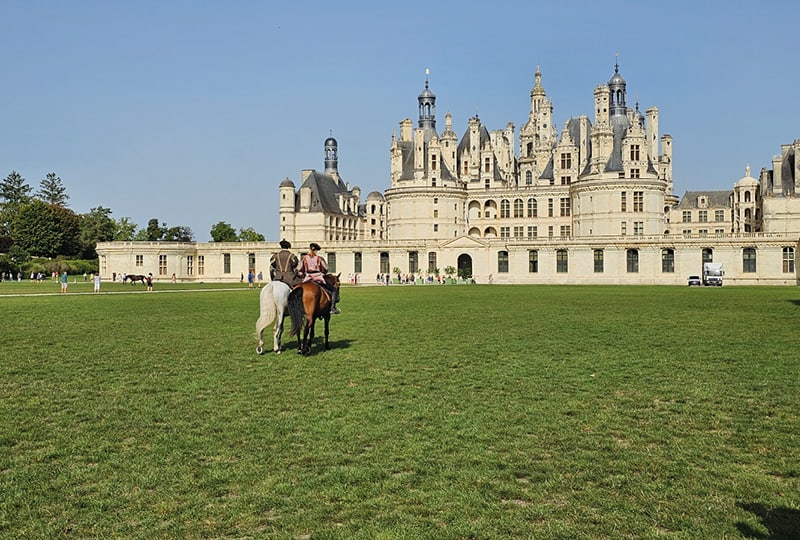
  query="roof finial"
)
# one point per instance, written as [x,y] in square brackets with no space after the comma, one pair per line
[427,72]
[616,62]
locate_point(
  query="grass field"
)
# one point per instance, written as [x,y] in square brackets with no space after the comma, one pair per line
[440,412]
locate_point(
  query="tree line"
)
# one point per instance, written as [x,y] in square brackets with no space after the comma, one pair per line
[41,224]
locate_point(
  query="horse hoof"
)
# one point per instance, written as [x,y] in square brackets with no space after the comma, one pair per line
[259,350]
[278,351]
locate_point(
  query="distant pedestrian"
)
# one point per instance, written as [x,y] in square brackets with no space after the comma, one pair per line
[64,282]
[149,281]
[97,283]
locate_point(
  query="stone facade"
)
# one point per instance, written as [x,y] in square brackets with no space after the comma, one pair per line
[593,204]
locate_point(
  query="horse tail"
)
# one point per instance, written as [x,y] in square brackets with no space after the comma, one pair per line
[268,310]
[296,310]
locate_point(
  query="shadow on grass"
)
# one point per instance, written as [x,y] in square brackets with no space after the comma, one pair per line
[795,302]
[781,522]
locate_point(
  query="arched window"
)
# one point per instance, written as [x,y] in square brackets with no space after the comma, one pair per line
[788,259]
[632,257]
[668,260]
[533,261]
[562,261]
[533,210]
[518,208]
[749,260]
[502,262]
[505,208]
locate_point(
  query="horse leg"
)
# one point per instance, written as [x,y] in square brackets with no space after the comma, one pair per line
[309,336]
[327,323]
[276,348]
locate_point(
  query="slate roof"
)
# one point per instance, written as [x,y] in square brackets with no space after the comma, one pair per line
[325,192]
[716,199]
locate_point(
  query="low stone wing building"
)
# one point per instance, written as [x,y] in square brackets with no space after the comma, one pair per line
[591,204]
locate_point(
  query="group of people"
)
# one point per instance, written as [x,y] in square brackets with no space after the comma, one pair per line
[285,266]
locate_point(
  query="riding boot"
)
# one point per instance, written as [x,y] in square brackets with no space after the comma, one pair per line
[334,310]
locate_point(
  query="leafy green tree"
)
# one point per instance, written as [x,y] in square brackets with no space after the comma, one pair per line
[223,232]
[154,231]
[14,192]
[180,233]
[70,225]
[96,226]
[36,229]
[124,229]
[52,191]
[250,235]
[449,271]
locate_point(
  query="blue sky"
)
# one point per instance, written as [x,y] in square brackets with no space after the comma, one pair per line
[193,112]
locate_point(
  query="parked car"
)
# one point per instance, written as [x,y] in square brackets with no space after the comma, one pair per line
[695,280]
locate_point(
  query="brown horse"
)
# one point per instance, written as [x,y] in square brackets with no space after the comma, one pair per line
[307,303]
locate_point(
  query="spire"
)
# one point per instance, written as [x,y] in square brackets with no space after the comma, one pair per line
[617,87]
[427,106]
[331,155]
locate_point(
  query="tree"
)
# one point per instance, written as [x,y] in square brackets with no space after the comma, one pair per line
[154,231]
[180,233]
[250,235]
[70,225]
[449,271]
[37,230]
[52,191]
[223,232]
[14,192]
[96,226]
[124,229]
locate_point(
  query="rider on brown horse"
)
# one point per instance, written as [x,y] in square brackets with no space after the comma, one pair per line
[313,268]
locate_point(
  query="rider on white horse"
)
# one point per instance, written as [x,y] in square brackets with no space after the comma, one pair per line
[283,265]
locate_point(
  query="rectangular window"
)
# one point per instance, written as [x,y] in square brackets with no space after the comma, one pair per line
[623,201]
[189,265]
[433,162]
[502,262]
[486,165]
[623,228]
[668,261]
[632,257]
[162,265]
[565,207]
[331,263]
[435,229]
[140,260]
[687,216]
[505,232]
[598,261]
[436,213]
[518,231]
[565,230]
[566,161]
[719,215]
[550,231]
[201,265]
[432,263]
[638,201]
[749,260]
[533,231]
[566,180]
[550,207]
[226,263]
[702,216]
[562,261]
[788,259]
[533,261]
[413,262]
[634,152]
[251,261]
[638,228]
[634,173]
[357,262]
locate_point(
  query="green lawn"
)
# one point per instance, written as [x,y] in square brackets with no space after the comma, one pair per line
[440,412]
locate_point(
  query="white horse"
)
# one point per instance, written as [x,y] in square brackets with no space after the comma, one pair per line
[274,299]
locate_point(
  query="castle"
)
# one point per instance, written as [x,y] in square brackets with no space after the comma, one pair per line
[591,204]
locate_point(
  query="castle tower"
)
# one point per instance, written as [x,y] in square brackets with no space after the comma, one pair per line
[427,109]
[332,158]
